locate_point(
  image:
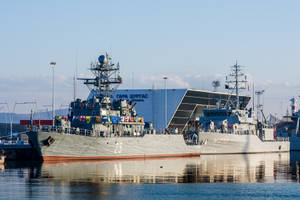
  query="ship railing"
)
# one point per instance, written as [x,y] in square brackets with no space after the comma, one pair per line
[60,129]
[122,134]
[91,133]
[282,139]
[235,132]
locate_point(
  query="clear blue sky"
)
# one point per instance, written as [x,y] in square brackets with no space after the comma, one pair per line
[191,41]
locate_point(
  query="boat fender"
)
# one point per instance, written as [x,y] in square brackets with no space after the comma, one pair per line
[48,141]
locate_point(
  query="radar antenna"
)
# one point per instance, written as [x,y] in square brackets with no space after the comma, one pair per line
[215,85]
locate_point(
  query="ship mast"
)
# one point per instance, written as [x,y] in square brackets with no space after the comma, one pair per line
[106,77]
[237,81]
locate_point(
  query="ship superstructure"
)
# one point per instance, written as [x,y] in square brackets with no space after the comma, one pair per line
[99,114]
[230,117]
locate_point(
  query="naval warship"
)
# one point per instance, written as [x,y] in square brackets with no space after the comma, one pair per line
[100,128]
[288,126]
[229,129]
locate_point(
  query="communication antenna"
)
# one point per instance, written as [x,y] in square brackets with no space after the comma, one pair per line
[253,91]
[75,77]
[74,86]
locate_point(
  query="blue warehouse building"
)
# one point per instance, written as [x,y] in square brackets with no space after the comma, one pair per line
[181,105]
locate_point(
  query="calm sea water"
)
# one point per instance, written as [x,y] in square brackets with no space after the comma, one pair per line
[255,176]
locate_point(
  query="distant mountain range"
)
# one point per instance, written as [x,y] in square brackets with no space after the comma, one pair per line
[5,117]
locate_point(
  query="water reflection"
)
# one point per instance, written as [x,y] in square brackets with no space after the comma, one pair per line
[239,168]
[295,165]
[207,168]
[272,167]
[92,180]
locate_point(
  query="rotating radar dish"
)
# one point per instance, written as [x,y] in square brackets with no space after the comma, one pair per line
[102,59]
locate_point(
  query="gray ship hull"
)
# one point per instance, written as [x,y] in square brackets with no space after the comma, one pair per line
[71,146]
[218,143]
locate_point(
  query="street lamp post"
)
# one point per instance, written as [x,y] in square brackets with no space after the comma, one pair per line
[53,65]
[259,106]
[13,112]
[165,78]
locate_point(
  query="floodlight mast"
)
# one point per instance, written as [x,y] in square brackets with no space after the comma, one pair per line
[259,105]
[52,64]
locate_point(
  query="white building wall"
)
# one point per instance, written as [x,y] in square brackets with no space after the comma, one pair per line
[150,103]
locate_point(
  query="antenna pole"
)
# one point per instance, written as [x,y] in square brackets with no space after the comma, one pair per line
[236,86]
[75,76]
[74,86]
[253,97]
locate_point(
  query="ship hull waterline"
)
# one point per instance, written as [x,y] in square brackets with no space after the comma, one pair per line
[78,147]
